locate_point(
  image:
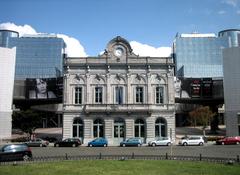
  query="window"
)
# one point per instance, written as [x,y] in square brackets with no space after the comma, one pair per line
[98,94]
[119,128]
[78,128]
[160,128]
[139,94]
[98,128]
[78,95]
[119,95]
[159,95]
[139,128]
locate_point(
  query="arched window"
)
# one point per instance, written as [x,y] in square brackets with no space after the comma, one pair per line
[78,128]
[139,128]
[98,128]
[160,128]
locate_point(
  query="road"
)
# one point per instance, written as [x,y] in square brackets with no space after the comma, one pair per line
[221,151]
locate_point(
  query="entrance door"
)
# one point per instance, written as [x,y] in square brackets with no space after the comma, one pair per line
[119,131]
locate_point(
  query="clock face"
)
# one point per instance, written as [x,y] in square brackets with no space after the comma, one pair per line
[118,52]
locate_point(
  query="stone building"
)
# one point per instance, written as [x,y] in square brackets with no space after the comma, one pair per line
[118,95]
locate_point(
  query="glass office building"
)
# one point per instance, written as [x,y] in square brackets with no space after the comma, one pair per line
[199,55]
[233,36]
[5,35]
[37,56]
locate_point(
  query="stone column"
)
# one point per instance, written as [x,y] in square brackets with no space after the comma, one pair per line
[87,93]
[171,126]
[67,125]
[88,130]
[149,89]
[108,129]
[108,89]
[150,129]
[129,127]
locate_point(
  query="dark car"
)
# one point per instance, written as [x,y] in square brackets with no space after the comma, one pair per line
[69,142]
[98,142]
[37,142]
[15,152]
[229,141]
[131,142]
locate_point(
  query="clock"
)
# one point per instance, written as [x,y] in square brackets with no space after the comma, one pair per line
[118,52]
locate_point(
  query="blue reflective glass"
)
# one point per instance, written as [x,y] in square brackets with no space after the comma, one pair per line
[37,57]
[199,56]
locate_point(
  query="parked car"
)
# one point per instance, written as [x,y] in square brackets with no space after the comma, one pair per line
[162,141]
[192,140]
[15,152]
[69,142]
[131,142]
[98,142]
[50,139]
[228,140]
[37,142]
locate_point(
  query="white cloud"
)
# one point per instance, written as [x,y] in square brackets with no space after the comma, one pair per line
[222,12]
[146,50]
[25,29]
[73,46]
[233,3]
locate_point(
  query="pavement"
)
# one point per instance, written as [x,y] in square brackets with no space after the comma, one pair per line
[182,131]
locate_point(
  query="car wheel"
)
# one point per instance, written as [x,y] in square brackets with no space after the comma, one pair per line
[185,144]
[90,145]
[41,145]
[139,145]
[74,145]
[237,143]
[222,143]
[168,144]
[57,145]
[105,145]
[123,145]
[154,144]
[26,158]
[201,144]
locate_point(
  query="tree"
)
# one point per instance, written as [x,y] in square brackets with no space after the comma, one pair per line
[202,115]
[27,121]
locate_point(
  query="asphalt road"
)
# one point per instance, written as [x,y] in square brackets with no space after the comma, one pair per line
[221,151]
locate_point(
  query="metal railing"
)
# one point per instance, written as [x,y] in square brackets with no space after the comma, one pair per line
[123,157]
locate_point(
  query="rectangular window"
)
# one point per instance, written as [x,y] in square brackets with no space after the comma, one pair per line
[98,94]
[139,94]
[119,95]
[78,95]
[159,95]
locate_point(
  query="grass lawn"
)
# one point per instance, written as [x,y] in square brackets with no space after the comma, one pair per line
[115,167]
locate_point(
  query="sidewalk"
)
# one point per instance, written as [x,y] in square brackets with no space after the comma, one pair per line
[182,131]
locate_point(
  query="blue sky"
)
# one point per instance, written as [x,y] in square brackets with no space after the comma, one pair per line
[95,22]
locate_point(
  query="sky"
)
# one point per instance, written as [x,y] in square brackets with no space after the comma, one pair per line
[149,25]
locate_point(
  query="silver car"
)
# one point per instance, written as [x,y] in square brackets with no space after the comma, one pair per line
[192,140]
[37,142]
[162,141]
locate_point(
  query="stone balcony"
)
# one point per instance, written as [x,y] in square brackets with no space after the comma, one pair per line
[120,108]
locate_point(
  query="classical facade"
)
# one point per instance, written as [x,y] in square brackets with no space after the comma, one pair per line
[118,95]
